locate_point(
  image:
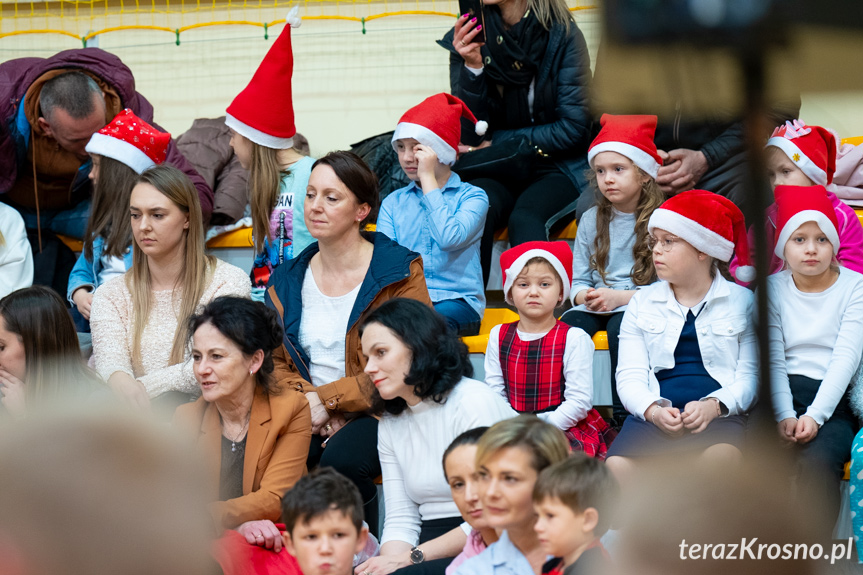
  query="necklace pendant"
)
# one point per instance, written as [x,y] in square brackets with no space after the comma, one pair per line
[233,447]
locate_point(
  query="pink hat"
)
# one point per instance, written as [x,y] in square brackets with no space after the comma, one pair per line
[513,260]
[264,111]
[130,140]
[630,136]
[711,223]
[797,205]
[436,122]
[811,148]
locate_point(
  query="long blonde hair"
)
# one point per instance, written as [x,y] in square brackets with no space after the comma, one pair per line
[197,270]
[643,272]
[551,12]
[265,180]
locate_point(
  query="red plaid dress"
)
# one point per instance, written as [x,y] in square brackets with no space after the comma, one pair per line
[533,372]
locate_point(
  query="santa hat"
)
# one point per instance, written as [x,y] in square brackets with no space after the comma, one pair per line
[630,136]
[264,111]
[513,260]
[436,123]
[130,140]
[711,223]
[811,148]
[797,205]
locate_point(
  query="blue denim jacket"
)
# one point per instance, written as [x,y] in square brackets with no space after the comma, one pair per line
[86,272]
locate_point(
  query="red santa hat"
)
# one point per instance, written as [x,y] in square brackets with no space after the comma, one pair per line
[130,140]
[436,122]
[630,136]
[264,111]
[513,260]
[811,148]
[711,223]
[797,205]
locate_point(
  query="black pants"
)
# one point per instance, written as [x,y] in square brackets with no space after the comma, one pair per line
[353,452]
[432,530]
[524,206]
[592,323]
[822,460]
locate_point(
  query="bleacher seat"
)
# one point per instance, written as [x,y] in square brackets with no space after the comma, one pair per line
[497,316]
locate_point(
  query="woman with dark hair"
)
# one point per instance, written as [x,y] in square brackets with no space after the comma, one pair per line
[420,371]
[529,81]
[322,295]
[39,355]
[255,433]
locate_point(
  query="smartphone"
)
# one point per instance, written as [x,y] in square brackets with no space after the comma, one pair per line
[475,9]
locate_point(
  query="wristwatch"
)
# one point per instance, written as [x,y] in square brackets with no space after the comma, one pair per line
[417,556]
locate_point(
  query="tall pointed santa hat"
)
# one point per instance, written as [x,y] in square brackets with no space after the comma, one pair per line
[436,122]
[264,111]
[513,260]
[711,223]
[630,136]
[130,140]
[811,148]
[797,205]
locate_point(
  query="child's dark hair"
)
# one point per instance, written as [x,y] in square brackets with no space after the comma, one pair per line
[580,482]
[438,357]
[469,437]
[322,490]
[109,215]
[250,325]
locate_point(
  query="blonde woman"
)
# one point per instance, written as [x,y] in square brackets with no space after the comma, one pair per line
[138,320]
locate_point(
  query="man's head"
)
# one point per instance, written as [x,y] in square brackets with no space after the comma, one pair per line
[323,515]
[72,110]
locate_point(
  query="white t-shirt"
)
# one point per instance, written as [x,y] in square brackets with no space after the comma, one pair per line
[323,327]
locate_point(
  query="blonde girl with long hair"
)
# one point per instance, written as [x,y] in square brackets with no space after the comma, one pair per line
[261,118]
[138,320]
[611,258]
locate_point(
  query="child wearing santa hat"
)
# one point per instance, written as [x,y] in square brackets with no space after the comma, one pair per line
[540,364]
[801,155]
[261,118]
[815,318]
[437,215]
[120,152]
[688,372]
[612,259]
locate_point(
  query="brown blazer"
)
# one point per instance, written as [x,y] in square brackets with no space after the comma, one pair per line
[277,444]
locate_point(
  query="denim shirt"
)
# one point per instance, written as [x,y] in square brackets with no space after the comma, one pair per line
[444,227]
[650,331]
[85,274]
[499,558]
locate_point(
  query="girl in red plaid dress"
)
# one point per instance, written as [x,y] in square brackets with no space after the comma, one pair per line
[540,364]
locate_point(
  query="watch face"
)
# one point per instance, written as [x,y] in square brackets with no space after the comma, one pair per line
[416,555]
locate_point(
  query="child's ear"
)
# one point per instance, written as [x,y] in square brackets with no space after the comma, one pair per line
[362,539]
[289,543]
[591,519]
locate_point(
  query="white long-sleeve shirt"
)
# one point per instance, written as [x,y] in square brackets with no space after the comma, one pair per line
[577,373]
[817,335]
[16,258]
[651,329]
[411,447]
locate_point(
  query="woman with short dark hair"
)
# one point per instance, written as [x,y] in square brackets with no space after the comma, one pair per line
[256,433]
[421,370]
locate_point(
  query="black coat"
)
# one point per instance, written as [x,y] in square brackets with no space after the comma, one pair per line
[562,121]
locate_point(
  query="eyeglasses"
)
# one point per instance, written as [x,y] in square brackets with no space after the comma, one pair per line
[665,244]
